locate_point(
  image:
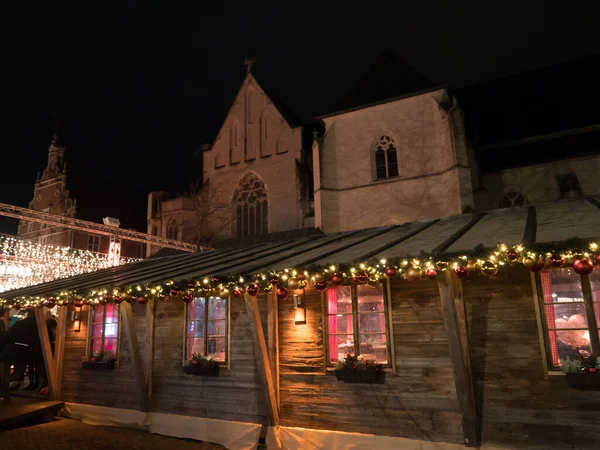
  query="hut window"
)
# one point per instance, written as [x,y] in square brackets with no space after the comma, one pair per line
[104,329]
[207,328]
[93,243]
[567,300]
[356,323]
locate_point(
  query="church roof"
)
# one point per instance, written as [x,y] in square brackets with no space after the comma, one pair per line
[386,78]
[543,223]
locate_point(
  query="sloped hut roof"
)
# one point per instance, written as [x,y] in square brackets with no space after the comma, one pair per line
[552,222]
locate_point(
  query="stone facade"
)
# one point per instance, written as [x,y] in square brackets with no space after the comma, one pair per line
[433,177]
[541,182]
[257,145]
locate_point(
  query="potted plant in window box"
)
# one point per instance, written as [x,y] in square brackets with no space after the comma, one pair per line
[202,366]
[355,369]
[100,361]
[583,374]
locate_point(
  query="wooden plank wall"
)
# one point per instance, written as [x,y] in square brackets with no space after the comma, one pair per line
[103,388]
[418,402]
[515,401]
[235,395]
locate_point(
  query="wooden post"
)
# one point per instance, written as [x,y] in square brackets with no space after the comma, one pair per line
[59,348]
[136,359]
[262,358]
[540,324]
[49,364]
[273,345]
[149,345]
[453,308]
[588,298]
[390,322]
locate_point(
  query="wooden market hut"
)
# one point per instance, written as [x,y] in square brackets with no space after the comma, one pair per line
[467,360]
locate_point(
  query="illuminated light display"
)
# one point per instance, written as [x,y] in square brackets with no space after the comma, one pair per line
[25,263]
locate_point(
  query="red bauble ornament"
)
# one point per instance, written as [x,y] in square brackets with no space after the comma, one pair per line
[337,279]
[79,302]
[237,293]
[117,299]
[301,276]
[583,266]
[282,293]
[274,280]
[538,266]
[194,362]
[320,286]
[363,277]
[556,260]
[461,272]
[253,290]
[597,258]
[431,273]
[188,298]
[390,271]
[49,303]
[142,300]
[512,255]
[174,292]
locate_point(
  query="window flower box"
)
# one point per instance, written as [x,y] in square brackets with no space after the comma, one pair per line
[584,380]
[355,369]
[98,365]
[202,366]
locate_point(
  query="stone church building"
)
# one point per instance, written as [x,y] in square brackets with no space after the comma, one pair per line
[397,150]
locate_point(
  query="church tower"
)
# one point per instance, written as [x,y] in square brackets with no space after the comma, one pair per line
[50,194]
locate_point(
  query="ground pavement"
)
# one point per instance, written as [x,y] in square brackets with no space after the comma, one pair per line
[67,434]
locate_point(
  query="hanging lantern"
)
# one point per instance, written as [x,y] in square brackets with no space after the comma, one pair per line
[461,272]
[583,266]
[431,273]
[390,271]
[318,276]
[489,268]
[556,260]
[293,284]
[337,279]
[320,286]
[188,298]
[253,290]
[413,274]
[282,293]
[274,280]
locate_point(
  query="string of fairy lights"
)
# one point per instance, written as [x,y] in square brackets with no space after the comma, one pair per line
[582,257]
[26,263]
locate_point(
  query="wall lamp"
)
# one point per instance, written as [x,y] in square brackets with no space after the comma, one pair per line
[299,309]
[75,318]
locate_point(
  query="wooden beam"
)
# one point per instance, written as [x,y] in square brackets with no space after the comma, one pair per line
[390,322]
[273,340]
[453,308]
[149,345]
[540,324]
[59,348]
[40,317]
[262,358]
[134,351]
[588,297]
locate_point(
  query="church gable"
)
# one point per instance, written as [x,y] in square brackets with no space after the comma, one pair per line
[255,127]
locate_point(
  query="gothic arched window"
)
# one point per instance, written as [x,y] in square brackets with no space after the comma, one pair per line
[172,231]
[251,207]
[385,156]
[512,197]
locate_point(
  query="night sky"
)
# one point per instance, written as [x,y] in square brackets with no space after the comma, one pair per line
[142,85]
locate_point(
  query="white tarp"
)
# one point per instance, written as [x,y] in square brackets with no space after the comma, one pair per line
[229,434]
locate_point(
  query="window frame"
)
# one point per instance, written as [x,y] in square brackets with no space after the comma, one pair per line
[356,325]
[390,145]
[223,364]
[88,350]
[592,323]
[92,243]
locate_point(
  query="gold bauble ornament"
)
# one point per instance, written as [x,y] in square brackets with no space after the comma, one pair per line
[528,262]
[293,284]
[489,268]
